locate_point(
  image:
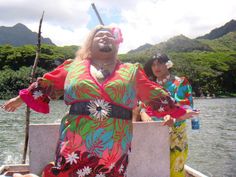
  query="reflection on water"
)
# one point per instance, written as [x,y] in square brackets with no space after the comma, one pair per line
[212,149]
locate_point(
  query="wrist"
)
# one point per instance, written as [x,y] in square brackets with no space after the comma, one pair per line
[19,99]
[142,110]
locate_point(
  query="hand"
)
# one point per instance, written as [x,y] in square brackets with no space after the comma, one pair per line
[169,121]
[189,114]
[136,116]
[145,117]
[12,104]
[27,175]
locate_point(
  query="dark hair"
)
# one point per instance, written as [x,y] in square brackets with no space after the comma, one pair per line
[161,58]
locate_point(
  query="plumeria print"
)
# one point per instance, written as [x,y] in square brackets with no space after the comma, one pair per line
[95,144]
[80,173]
[85,171]
[121,169]
[72,158]
[37,94]
[100,175]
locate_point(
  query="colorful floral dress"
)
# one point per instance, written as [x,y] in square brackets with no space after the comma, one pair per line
[89,146]
[181,91]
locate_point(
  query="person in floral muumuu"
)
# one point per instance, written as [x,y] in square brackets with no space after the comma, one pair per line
[95,136]
[158,70]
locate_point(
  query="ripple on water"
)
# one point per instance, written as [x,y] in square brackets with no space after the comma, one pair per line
[212,149]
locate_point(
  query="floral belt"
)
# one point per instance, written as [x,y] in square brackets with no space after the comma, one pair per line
[100,109]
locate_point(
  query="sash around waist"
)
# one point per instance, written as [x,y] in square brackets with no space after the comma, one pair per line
[100,109]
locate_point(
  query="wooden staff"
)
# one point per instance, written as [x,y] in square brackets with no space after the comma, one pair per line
[99,18]
[32,75]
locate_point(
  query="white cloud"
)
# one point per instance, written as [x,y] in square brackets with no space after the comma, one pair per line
[61,36]
[67,13]
[150,21]
[155,21]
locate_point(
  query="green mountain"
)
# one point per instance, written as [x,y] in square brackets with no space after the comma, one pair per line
[224,43]
[182,43]
[221,31]
[141,48]
[179,43]
[19,35]
[222,38]
[209,64]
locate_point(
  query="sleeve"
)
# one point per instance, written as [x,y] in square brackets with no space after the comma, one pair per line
[51,86]
[153,95]
[183,95]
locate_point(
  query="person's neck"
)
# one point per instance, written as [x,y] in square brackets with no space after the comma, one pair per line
[103,60]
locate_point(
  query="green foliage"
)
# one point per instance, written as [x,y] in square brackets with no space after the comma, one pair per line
[208,72]
[12,81]
[16,63]
[16,57]
[225,43]
[209,65]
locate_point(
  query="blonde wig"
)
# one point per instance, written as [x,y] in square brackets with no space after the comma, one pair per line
[86,49]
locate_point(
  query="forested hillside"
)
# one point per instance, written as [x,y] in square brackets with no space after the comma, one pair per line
[209,64]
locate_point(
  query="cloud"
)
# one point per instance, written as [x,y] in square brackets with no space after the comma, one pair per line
[69,13]
[156,21]
[151,21]
[61,36]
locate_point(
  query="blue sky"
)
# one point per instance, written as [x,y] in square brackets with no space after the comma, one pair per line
[67,22]
[113,17]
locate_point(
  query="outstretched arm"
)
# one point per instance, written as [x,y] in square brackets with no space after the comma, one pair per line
[39,93]
[12,104]
[158,98]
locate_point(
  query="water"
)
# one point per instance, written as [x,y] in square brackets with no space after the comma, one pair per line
[212,148]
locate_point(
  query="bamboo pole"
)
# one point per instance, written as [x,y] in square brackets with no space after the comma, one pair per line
[99,18]
[27,111]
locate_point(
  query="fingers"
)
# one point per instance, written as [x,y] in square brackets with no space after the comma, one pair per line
[189,114]
[10,106]
[167,117]
[27,175]
[169,121]
[148,120]
[193,113]
[11,109]
[17,175]
[196,112]
[5,106]
[164,123]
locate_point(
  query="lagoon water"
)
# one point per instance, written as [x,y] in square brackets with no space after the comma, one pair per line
[212,149]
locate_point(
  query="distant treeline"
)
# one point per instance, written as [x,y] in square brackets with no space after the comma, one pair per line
[16,64]
[209,72]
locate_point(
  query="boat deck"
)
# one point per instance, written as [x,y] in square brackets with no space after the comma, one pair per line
[158,153]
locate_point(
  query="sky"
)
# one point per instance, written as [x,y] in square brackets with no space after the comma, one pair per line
[68,22]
